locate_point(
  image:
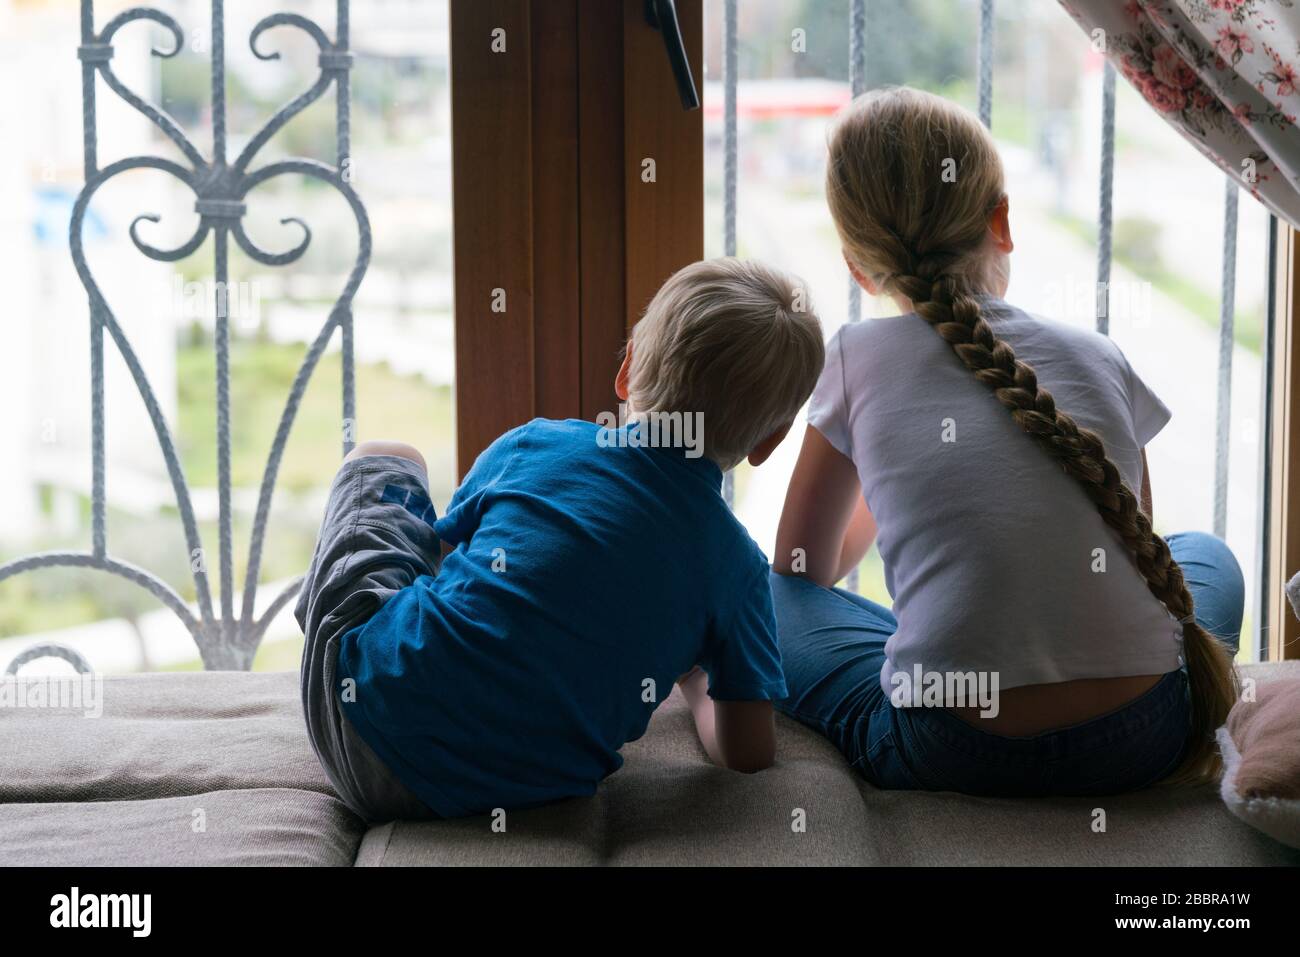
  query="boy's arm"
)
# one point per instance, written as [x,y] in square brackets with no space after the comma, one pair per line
[738,735]
[465,510]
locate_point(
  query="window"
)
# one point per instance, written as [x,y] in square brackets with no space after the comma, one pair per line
[556,223]
[398,159]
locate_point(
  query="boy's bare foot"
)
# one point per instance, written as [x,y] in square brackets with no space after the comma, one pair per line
[387,447]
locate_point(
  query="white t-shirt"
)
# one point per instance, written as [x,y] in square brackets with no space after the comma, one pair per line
[990,548]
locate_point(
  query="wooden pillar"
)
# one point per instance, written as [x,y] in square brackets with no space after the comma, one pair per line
[556,104]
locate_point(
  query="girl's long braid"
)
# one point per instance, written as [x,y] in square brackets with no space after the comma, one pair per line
[942,299]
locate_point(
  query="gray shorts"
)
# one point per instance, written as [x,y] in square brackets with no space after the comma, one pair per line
[375,540]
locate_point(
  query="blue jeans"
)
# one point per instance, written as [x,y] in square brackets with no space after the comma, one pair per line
[833,649]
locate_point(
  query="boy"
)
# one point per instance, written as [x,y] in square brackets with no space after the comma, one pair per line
[584,568]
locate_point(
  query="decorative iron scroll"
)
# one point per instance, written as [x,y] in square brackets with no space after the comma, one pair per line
[226,640]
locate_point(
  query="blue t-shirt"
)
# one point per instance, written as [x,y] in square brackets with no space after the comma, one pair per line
[586,579]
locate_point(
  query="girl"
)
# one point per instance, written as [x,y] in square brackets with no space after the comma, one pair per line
[995,457]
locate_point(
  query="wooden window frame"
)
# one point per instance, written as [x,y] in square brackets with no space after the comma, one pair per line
[1283,442]
[551,213]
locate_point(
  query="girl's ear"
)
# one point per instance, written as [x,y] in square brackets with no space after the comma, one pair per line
[620,380]
[1000,227]
[861,278]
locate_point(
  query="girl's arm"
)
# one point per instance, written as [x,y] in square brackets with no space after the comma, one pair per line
[825,527]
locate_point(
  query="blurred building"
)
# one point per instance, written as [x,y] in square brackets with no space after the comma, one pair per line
[44,362]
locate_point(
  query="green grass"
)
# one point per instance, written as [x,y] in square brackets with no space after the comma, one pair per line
[388,405]
[1195,298]
[261,374]
[37,601]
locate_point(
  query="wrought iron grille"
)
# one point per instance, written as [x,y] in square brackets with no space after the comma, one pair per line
[226,639]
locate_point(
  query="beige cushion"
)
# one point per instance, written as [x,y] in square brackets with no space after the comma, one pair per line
[1158,827]
[259,827]
[162,735]
[668,806]
[122,789]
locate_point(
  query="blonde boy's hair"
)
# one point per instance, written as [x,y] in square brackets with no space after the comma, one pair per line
[733,340]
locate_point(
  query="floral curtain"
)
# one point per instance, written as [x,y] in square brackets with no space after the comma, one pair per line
[1223,72]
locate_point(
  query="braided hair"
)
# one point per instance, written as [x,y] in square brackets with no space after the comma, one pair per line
[912,181]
